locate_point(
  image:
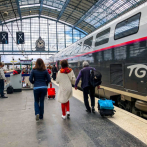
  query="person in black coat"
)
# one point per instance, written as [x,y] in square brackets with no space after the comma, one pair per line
[54,71]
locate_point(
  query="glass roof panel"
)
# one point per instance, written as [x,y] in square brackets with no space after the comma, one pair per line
[52,3]
[107,10]
[87,15]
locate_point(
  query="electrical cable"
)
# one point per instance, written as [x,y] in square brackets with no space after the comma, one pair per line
[15,14]
[10,32]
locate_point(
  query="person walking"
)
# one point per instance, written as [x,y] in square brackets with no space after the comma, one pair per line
[49,70]
[2,80]
[54,71]
[84,75]
[50,67]
[64,79]
[39,76]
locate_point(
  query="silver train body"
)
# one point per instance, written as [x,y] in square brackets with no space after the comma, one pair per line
[119,51]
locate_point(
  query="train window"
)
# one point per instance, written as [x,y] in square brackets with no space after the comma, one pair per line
[102,37]
[116,74]
[120,53]
[88,43]
[99,56]
[127,27]
[107,55]
[69,51]
[78,47]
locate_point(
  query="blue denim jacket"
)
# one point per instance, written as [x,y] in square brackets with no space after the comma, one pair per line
[39,78]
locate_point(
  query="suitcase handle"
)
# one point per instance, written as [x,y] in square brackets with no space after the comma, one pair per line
[103,91]
[50,85]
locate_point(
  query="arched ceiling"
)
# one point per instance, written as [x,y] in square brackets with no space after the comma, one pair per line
[87,15]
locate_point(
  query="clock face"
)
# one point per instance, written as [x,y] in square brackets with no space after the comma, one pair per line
[40,43]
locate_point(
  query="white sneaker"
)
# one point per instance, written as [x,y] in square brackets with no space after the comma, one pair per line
[64,117]
[37,117]
[68,114]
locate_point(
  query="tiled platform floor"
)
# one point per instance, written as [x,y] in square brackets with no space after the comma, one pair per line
[18,127]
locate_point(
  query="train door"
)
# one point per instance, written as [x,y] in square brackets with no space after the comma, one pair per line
[136,77]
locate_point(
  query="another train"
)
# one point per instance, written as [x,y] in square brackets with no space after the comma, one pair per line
[119,51]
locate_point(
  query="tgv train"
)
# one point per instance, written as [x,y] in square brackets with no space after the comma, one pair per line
[119,51]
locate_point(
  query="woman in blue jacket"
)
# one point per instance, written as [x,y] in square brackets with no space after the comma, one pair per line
[40,78]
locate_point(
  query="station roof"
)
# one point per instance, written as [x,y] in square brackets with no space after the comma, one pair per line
[87,15]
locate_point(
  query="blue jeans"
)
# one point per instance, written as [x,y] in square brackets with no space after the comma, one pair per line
[2,87]
[39,95]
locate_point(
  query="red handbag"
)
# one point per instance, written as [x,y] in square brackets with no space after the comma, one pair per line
[49,71]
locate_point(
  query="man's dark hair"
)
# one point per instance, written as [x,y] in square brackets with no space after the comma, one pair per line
[64,63]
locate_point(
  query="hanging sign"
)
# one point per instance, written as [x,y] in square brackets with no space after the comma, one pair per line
[20,37]
[25,62]
[3,37]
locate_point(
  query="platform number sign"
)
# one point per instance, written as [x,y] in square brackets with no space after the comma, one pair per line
[3,38]
[20,37]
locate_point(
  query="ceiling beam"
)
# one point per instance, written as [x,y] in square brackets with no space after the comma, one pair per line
[18,8]
[89,12]
[63,9]
[82,31]
[41,6]
[30,51]
[25,54]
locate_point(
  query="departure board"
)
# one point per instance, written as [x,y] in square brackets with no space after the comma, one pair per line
[24,62]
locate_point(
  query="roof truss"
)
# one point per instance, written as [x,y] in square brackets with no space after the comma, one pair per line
[87,15]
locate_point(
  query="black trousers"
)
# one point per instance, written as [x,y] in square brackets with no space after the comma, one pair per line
[2,87]
[54,76]
[91,91]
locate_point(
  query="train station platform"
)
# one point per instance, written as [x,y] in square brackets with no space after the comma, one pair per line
[18,127]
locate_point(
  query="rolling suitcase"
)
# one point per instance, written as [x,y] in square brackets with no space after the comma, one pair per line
[105,107]
[51,92]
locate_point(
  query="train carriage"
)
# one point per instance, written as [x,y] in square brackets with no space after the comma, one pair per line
[119,51]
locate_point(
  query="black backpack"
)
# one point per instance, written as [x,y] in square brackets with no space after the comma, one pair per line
[10,90]
[95,78]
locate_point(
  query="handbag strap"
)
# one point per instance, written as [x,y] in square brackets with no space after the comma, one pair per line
[68,77]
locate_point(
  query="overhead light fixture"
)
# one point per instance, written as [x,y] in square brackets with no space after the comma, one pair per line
[38,5]
[29,6]
[5,14]
[49,7]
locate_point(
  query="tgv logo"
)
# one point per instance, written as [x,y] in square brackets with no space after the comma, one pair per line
[137,67]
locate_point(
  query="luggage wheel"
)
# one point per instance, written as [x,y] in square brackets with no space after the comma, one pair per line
[102,115]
